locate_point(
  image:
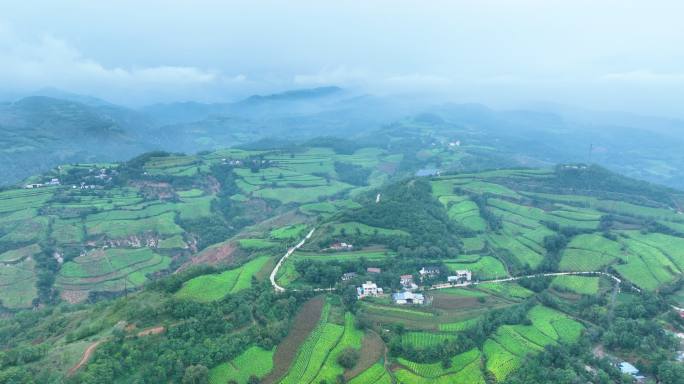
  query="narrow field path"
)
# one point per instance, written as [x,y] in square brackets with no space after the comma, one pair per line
[550,274]
[86,356]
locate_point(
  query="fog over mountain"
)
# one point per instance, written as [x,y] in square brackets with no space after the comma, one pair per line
[361,192]
[609,55]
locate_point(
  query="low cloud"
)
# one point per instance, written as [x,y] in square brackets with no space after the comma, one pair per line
[48,61]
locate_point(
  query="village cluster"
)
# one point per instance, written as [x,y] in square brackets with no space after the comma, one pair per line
[102,174]
[408,294]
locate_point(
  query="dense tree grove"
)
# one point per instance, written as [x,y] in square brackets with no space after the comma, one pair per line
[352,173]
[409,206]
[198,336]
[228,215]
[566,364]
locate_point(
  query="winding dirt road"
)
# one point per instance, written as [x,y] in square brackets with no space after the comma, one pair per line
[86,356]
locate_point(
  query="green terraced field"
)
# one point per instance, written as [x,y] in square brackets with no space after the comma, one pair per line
[24,231]
[371,254]
[69,231]
[19,254]
[287,274]
[626,208]
[318,208]
[216,286]
[111,269]
[584,285]
[376,374]
[500,361]
[471,374]
[459,325]
[397,311]
[195,208]
[190,193]
[473,244]
[485,267]
[422,340]
[314,352]
[255,361]
[301,194]
[589,252]
[482,187]
[363,229]
[506,349]
[174,242]
[163,224]
[522,252]
[467,214]
[515,343]
[511,290]
[351,338]
[435,370]
[20,199]
[644,265]
[256,244]
[670,246]
[288,232]
[18,284]
[531,217]
[545,320]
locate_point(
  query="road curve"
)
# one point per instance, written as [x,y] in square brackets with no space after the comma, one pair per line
[290,251]
[468,283]
[274,272]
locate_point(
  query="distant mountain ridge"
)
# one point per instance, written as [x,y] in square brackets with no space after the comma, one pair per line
[54,127]
[38,132]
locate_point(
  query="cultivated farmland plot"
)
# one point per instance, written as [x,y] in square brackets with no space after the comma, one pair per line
[255,361]
[216,286]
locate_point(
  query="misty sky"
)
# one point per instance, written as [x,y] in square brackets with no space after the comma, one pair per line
[609,54]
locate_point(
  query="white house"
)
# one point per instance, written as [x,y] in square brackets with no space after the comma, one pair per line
[631,370]
[408,298]
[341,246]
[461,276]
[406,281]
[429,271]
[368,288]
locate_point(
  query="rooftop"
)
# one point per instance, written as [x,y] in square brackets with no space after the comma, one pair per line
[628,368]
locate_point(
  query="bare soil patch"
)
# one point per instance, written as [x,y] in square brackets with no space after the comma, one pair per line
[450,302]
[303,324]
[220,254]
[372,349]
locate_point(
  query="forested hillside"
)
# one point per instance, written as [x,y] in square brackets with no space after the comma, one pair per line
[159,268]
